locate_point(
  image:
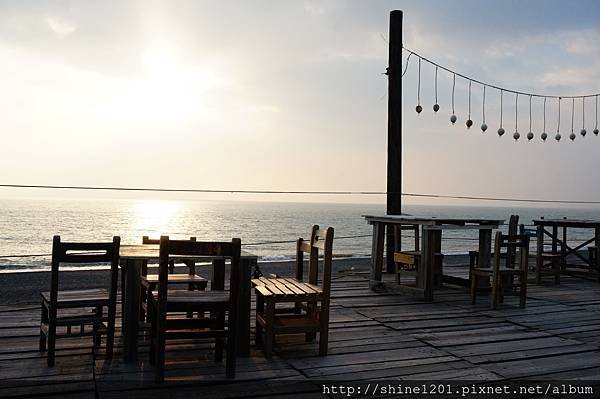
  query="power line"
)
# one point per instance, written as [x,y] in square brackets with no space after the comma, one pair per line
[416,195]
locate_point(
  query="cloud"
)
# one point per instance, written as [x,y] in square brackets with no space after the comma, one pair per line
[60,26]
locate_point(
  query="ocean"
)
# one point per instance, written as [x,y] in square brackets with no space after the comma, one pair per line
[27,226]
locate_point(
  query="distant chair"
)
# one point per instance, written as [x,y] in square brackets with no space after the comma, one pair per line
[310,313]
[513,225]
[504,268]
[167,306]
[547,263]
[409,262]
[150,281]
[72,308]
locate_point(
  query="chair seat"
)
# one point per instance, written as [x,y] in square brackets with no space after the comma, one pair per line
[195,298]
[80,298]
[550,255]
[501,270]
[176,279]
[287,289]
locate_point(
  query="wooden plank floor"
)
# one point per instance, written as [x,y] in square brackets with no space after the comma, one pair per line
[373,336]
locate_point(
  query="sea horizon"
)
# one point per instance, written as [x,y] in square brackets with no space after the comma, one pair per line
[267,228]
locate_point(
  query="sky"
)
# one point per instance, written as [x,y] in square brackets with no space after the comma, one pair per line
[290,95]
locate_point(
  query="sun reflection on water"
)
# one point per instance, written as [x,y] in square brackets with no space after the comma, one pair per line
[155,217]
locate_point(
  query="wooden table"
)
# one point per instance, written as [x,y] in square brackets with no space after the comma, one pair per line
[549,227]
[431,241]
[133,257]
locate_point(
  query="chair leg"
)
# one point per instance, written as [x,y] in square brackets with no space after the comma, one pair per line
[160,348]
[231,349]
[51,336]
[312,313]
[97,334]
[473,288]
[494,293]
[557,273]
[523,293]
[152,320]
[219,340]
[110,333]
[44,320]
[269,332]
[260,310]
[538,273]
[324,329]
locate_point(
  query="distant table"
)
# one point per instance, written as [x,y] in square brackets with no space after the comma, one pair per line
[132,259]
[431,242]
[549,227]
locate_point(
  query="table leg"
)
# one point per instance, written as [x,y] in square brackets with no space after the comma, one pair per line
[131,310]
[425,272]
[597,233]
[539,261]
[485,250]
[377,254]
[390,247]
[243,335]
[563,250]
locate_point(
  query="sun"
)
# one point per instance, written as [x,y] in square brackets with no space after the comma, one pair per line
[166,91]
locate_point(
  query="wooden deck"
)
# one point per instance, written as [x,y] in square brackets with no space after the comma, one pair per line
[373,336]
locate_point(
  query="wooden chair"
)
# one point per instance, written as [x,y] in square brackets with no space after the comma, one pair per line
[548,263]
[81,308]
[513,225]
[512,266]
[150,281]
[310,313]
[409,262]
[211,305]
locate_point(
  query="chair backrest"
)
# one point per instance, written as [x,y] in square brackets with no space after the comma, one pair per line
[85,253]
[513,225]
[148,240]
[518,244]
[210,249]
[321,239]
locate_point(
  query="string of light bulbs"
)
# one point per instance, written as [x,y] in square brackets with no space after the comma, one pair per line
[516,135]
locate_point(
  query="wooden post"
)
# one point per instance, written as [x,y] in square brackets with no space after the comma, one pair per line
[394,150]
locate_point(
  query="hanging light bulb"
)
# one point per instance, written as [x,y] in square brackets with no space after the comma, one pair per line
[557,137]
[516,134]
[436,106]
[529,136]
[583,132]
[483,127]
[453,117]
[418,108]
[572,136]
[544,136]
[469,122]
[501,129]
[596,131]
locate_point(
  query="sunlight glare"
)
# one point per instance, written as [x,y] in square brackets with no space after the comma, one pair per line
[154,217]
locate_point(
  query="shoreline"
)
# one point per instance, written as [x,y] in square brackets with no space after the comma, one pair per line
[23,288]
